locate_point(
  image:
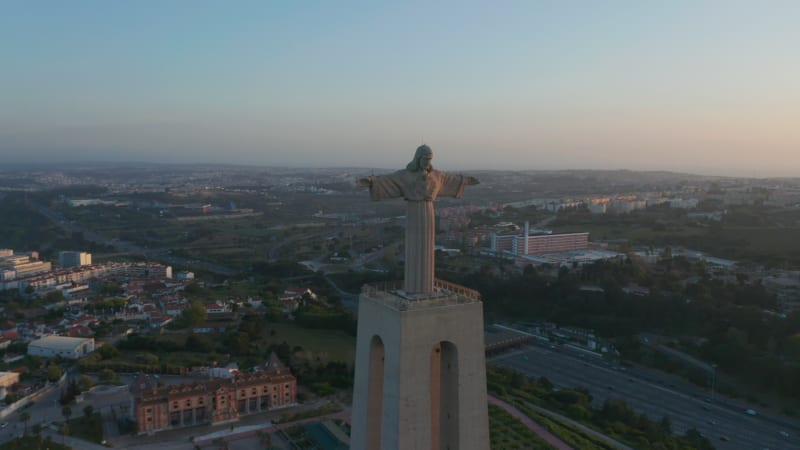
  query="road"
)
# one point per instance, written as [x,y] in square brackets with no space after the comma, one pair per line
[43,411]
[726,424]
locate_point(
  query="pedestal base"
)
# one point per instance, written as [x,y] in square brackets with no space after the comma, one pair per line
[420,379]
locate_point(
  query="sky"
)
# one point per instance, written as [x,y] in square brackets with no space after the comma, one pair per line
[694,86]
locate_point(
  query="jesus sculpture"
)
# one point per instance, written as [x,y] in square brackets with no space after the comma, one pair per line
[419,184]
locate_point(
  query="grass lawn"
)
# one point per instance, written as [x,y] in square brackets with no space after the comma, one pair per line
[337,345]
[33,442]
[506,432]
[87,428]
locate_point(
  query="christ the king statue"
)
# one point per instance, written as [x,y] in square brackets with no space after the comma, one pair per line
[419,184]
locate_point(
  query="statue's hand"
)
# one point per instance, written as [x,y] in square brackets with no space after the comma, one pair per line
[361,182]
[471,180]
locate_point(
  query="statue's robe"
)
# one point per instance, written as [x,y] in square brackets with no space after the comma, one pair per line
[419,189]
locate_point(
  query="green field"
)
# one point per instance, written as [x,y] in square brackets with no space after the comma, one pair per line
[765,245]
[335,345]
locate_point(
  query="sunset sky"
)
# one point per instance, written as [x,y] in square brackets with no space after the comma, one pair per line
[697,86]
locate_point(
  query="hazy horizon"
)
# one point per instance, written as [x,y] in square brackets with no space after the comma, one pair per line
[694,87]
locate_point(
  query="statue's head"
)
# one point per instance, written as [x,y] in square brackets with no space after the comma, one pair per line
[422,159]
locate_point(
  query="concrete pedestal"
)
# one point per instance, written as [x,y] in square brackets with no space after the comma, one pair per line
[420,379]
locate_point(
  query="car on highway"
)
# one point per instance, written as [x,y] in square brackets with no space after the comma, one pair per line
[750,412]
[3,425]
[783,433]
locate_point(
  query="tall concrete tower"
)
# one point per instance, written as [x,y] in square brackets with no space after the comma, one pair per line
[420,380]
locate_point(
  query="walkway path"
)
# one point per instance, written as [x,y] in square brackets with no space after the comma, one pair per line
[580,426]
[549,437]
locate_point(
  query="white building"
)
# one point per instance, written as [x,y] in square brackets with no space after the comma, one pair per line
[65,347]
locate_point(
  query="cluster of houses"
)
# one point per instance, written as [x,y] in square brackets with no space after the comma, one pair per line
[224,395]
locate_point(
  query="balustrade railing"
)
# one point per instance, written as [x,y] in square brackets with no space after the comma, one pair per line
[444,294]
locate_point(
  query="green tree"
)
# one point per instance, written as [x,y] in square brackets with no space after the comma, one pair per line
[66,411]
[53,372]
[25,416]
[54,297]
[108,375]
[108,352]
[197,343]
[195,314]
[85,383]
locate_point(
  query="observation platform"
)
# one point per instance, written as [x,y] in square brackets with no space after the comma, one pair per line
[393,295]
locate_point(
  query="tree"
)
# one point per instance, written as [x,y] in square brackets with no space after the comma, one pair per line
[66,411]
[25,416]
[88,410]
[197,343]
[108,375]
[85,383]
[195,314]
[37,431]
[666,425]
[53,373]
[108,352]
[54,297]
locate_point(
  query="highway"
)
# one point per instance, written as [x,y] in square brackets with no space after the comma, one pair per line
[723,422]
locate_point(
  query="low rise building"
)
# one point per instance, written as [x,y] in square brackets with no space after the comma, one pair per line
[65,347]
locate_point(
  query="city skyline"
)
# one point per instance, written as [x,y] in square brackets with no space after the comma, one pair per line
[699,87]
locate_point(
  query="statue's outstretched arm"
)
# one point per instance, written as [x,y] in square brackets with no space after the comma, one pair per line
[383,186]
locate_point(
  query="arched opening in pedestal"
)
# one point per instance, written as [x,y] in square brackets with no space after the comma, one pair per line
[444,396]
[375,392]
